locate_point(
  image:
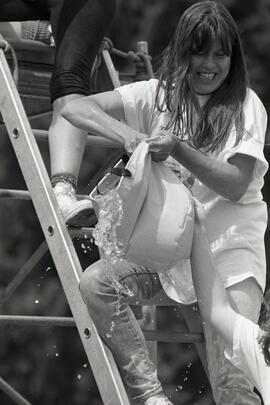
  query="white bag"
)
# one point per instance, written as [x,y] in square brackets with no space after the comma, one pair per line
[156,225]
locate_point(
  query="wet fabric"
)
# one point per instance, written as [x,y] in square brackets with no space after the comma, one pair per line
[108,289]
[155,229]
[247,355]
[230,384]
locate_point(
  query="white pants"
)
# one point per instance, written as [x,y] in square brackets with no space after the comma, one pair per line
[230,385]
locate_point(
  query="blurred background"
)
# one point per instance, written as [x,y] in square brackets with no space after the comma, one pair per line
[48,365]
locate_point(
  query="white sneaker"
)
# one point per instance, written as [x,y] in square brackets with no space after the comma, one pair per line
[158,399]
[75,212]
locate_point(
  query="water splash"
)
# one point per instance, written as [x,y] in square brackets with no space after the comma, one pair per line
[111,249]
[110,216]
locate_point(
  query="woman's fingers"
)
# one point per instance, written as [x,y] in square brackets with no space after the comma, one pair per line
[154,139]
[131,143]
[158,157]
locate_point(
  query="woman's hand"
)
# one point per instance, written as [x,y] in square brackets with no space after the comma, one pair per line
[161,145]
[133,140]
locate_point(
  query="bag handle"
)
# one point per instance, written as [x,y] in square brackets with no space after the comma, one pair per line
[118,171]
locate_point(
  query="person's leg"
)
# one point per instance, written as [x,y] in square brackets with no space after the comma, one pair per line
[23,10]
[230,385]
[107,293]
[78,28]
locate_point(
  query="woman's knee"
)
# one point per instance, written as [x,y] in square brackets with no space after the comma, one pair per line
[246,298]
[91,283]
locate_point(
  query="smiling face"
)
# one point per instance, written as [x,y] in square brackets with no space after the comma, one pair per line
[209,69]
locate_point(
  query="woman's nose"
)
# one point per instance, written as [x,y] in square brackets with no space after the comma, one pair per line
[209,61]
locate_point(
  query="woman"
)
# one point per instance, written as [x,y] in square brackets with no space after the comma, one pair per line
[78,28]
[247,344]
[201,118]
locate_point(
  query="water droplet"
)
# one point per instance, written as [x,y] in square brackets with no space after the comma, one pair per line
[36,301]
[79,376]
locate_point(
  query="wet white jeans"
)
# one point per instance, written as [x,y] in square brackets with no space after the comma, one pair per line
[108,294]
[230,385]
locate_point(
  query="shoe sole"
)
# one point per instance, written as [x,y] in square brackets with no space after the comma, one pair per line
[81,217]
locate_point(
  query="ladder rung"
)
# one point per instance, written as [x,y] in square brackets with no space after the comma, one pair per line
[36,320]
[173,337]
[25,195]
[18,194]
[155,335]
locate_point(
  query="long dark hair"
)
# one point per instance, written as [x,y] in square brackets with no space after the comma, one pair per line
[264,339]
[198,27]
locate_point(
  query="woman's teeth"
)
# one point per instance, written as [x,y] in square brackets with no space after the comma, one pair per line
[207,76]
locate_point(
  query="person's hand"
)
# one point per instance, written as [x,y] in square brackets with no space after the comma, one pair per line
[132,141]
[161,145]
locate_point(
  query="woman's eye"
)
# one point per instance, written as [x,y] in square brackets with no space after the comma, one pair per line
[197,53]
[220,54]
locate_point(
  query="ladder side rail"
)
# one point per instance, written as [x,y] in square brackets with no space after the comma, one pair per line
[60,244]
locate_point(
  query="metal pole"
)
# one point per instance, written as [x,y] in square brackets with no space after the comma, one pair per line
[12,394]
[23,272]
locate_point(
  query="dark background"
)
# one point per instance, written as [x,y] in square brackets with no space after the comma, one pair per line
[48,365]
